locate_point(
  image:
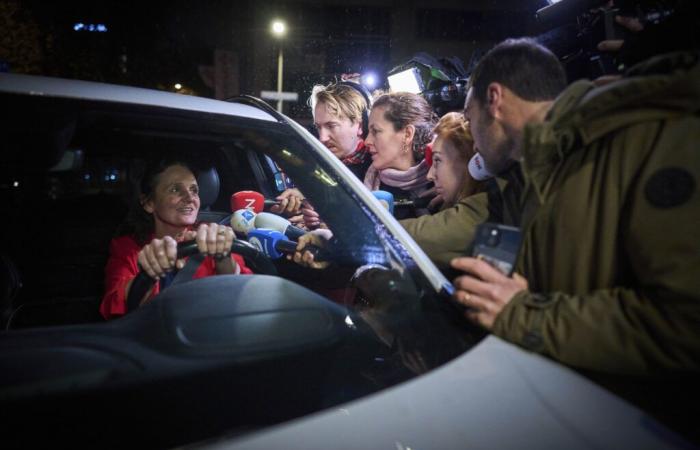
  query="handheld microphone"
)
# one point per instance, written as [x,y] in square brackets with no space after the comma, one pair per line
[277,223]
[386,199]
[247,200]
[242,221]
[477,168]
[271,243]
[274,245]
[252,200]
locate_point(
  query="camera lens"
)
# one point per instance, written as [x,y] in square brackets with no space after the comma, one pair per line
[494,238]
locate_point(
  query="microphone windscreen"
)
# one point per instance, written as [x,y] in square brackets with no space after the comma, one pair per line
[477,168]
[242,221]
[247,200]
[271,222]
[265,241]
[386,199]
[429,154]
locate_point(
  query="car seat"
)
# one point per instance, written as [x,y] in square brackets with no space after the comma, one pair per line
[209,186]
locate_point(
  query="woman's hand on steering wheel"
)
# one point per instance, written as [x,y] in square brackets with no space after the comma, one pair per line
[215,240]
[159,257]
[212,239]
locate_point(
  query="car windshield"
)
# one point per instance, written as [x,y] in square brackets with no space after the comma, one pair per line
[69,173]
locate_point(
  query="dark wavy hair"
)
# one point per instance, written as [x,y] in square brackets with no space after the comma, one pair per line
[138,222]
[403,109]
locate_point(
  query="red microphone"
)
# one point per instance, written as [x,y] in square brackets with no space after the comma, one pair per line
[251,200]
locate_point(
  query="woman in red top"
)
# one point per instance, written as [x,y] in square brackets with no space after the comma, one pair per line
[169,203]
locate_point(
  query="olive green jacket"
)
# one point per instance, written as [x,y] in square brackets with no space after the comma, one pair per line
[610,213]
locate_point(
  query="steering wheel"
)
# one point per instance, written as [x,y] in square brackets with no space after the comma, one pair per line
[258,261]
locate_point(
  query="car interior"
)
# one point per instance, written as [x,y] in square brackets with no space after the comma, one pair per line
[241,352]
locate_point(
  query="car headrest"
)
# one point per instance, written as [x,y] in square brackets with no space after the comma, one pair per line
[209,184]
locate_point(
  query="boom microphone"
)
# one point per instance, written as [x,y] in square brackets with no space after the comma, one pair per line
[277,223]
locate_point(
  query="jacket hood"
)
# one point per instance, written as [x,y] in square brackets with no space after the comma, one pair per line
[665,86]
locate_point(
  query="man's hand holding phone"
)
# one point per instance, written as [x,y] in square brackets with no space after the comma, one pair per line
[484,289]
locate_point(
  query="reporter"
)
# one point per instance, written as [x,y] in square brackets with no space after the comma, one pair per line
[450,155]
[594,178]
[400,127]
[340,112]
[164,215]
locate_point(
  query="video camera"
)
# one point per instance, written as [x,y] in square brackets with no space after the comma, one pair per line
[575,27]
[442,82]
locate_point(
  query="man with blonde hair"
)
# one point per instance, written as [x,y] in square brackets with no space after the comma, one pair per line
[340,112]
[340,115]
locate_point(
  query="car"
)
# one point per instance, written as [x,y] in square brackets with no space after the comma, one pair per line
[368,353]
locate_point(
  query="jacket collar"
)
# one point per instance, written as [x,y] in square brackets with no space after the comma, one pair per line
[661,87]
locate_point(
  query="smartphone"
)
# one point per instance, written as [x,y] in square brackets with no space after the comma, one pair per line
[498,245]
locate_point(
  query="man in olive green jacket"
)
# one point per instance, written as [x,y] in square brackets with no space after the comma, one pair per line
[610,215]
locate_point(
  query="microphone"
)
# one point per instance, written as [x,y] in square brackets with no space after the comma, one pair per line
[269,202]
[477,168]
[274,245]
[386,199]
[247,200]
[252,200]
[242,221]
[274,222]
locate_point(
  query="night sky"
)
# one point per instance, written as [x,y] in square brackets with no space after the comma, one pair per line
[159,44]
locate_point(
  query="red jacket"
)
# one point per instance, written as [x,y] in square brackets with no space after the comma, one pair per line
[122,266]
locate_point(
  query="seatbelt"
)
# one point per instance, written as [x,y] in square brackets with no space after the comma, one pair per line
[187,272]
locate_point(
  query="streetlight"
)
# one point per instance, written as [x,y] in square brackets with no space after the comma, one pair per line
[278,30]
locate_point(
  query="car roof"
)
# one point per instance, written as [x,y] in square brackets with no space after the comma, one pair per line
[89,90]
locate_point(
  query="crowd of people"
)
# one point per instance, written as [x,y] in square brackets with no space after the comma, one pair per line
[600,178]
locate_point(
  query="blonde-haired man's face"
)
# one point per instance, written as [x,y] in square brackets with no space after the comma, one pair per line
[339,134]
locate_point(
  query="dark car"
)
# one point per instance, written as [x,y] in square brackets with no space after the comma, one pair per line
[223,360]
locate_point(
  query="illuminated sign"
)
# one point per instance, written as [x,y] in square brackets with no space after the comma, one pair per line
[91,27]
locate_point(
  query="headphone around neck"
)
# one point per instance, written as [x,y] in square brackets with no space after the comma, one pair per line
[368,101]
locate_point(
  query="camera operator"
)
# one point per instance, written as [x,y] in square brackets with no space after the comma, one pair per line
[611,289]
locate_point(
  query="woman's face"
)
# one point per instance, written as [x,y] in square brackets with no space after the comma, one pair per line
[390,149]
[174,202]
[449,170]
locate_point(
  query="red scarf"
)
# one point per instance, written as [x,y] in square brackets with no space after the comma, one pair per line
[359,156]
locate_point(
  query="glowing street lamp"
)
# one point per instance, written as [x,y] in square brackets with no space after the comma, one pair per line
[279,29]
